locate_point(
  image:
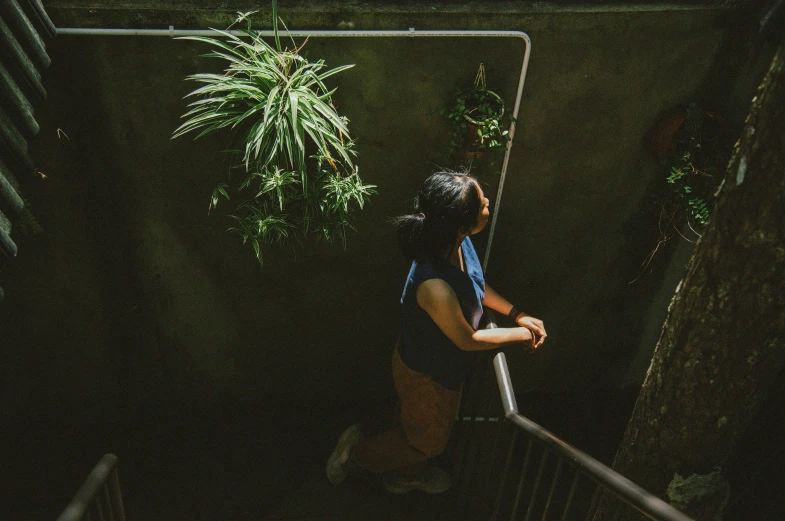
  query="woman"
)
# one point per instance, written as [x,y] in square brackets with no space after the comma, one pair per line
[441,307]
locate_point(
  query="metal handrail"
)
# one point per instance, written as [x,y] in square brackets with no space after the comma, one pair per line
[411,33]
[637,497]
[100,494]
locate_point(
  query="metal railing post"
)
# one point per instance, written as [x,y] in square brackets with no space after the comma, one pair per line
[99,494]
[624,494]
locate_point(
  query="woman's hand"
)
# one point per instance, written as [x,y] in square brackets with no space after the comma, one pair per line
[438,299]
[536,326]
[526,336]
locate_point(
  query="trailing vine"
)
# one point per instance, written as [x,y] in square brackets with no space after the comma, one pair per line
[693,146]
[477,121]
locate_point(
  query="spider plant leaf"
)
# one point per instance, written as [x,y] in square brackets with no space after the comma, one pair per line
[294,158]
[275,25]
[237,42]
[198,104]
[196,123]
[294,104]
[286,108]
[315,134]
[329,113]
[213,41]
[257,250]
[271,98]
[334,71]
[245,115]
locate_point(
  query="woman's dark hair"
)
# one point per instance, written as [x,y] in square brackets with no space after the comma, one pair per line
[446,206]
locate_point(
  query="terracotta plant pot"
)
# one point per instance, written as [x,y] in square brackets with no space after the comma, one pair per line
[471,139]
[662,138]
[470,142]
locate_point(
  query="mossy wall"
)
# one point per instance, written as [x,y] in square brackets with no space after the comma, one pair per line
[135,297]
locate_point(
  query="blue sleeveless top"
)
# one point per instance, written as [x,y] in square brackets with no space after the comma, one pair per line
[422,346]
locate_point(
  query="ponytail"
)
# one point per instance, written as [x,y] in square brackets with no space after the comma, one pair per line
[411,235]
[447,205]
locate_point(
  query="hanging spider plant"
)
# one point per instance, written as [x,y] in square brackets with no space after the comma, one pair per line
[295,150]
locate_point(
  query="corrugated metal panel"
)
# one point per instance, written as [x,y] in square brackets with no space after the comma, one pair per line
[24,26]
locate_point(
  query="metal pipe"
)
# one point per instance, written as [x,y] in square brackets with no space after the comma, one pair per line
[13,139]
[593,504]
[117,496]
[5,224]
[17,102]
[411,33]
[99,505]
[571,495]
[505,385]
[79,506]
[537,482]
[522,479]
[490,319]
[554,482]
[7,245]
[503,481]
[23,61]
[5,172]
[506,162]
[619,510]
[489,470]
[10,202]
[467,399]
[29,34]
[475,428]
[622,487]
[631,493]
[43,19]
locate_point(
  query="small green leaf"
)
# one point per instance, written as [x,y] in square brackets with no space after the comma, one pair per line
[257,250]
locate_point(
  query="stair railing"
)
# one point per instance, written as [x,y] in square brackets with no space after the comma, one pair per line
[99,498]
[555,481]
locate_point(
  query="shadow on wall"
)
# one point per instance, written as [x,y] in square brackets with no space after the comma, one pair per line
[136,318]
[136,298]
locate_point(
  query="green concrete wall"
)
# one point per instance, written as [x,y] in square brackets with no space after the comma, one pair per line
[135,297]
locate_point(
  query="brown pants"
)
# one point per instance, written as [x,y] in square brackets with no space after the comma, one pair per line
[427,417]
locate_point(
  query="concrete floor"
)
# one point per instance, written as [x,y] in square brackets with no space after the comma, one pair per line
[221,462]
[205,463]
[360,499]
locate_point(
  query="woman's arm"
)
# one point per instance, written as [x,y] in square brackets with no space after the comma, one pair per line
[438,299]
[498,303]
[495,301]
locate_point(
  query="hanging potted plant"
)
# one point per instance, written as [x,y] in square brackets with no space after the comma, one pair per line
[693,146]
[476,120]
[295,151]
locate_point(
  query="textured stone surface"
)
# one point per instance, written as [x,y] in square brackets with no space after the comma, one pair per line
[721,348]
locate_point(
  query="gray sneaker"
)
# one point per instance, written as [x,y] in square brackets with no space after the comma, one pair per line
[431,481]
[340,463]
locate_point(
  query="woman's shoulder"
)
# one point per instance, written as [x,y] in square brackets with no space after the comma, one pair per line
[435,289]
[426,269]
[421,271]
